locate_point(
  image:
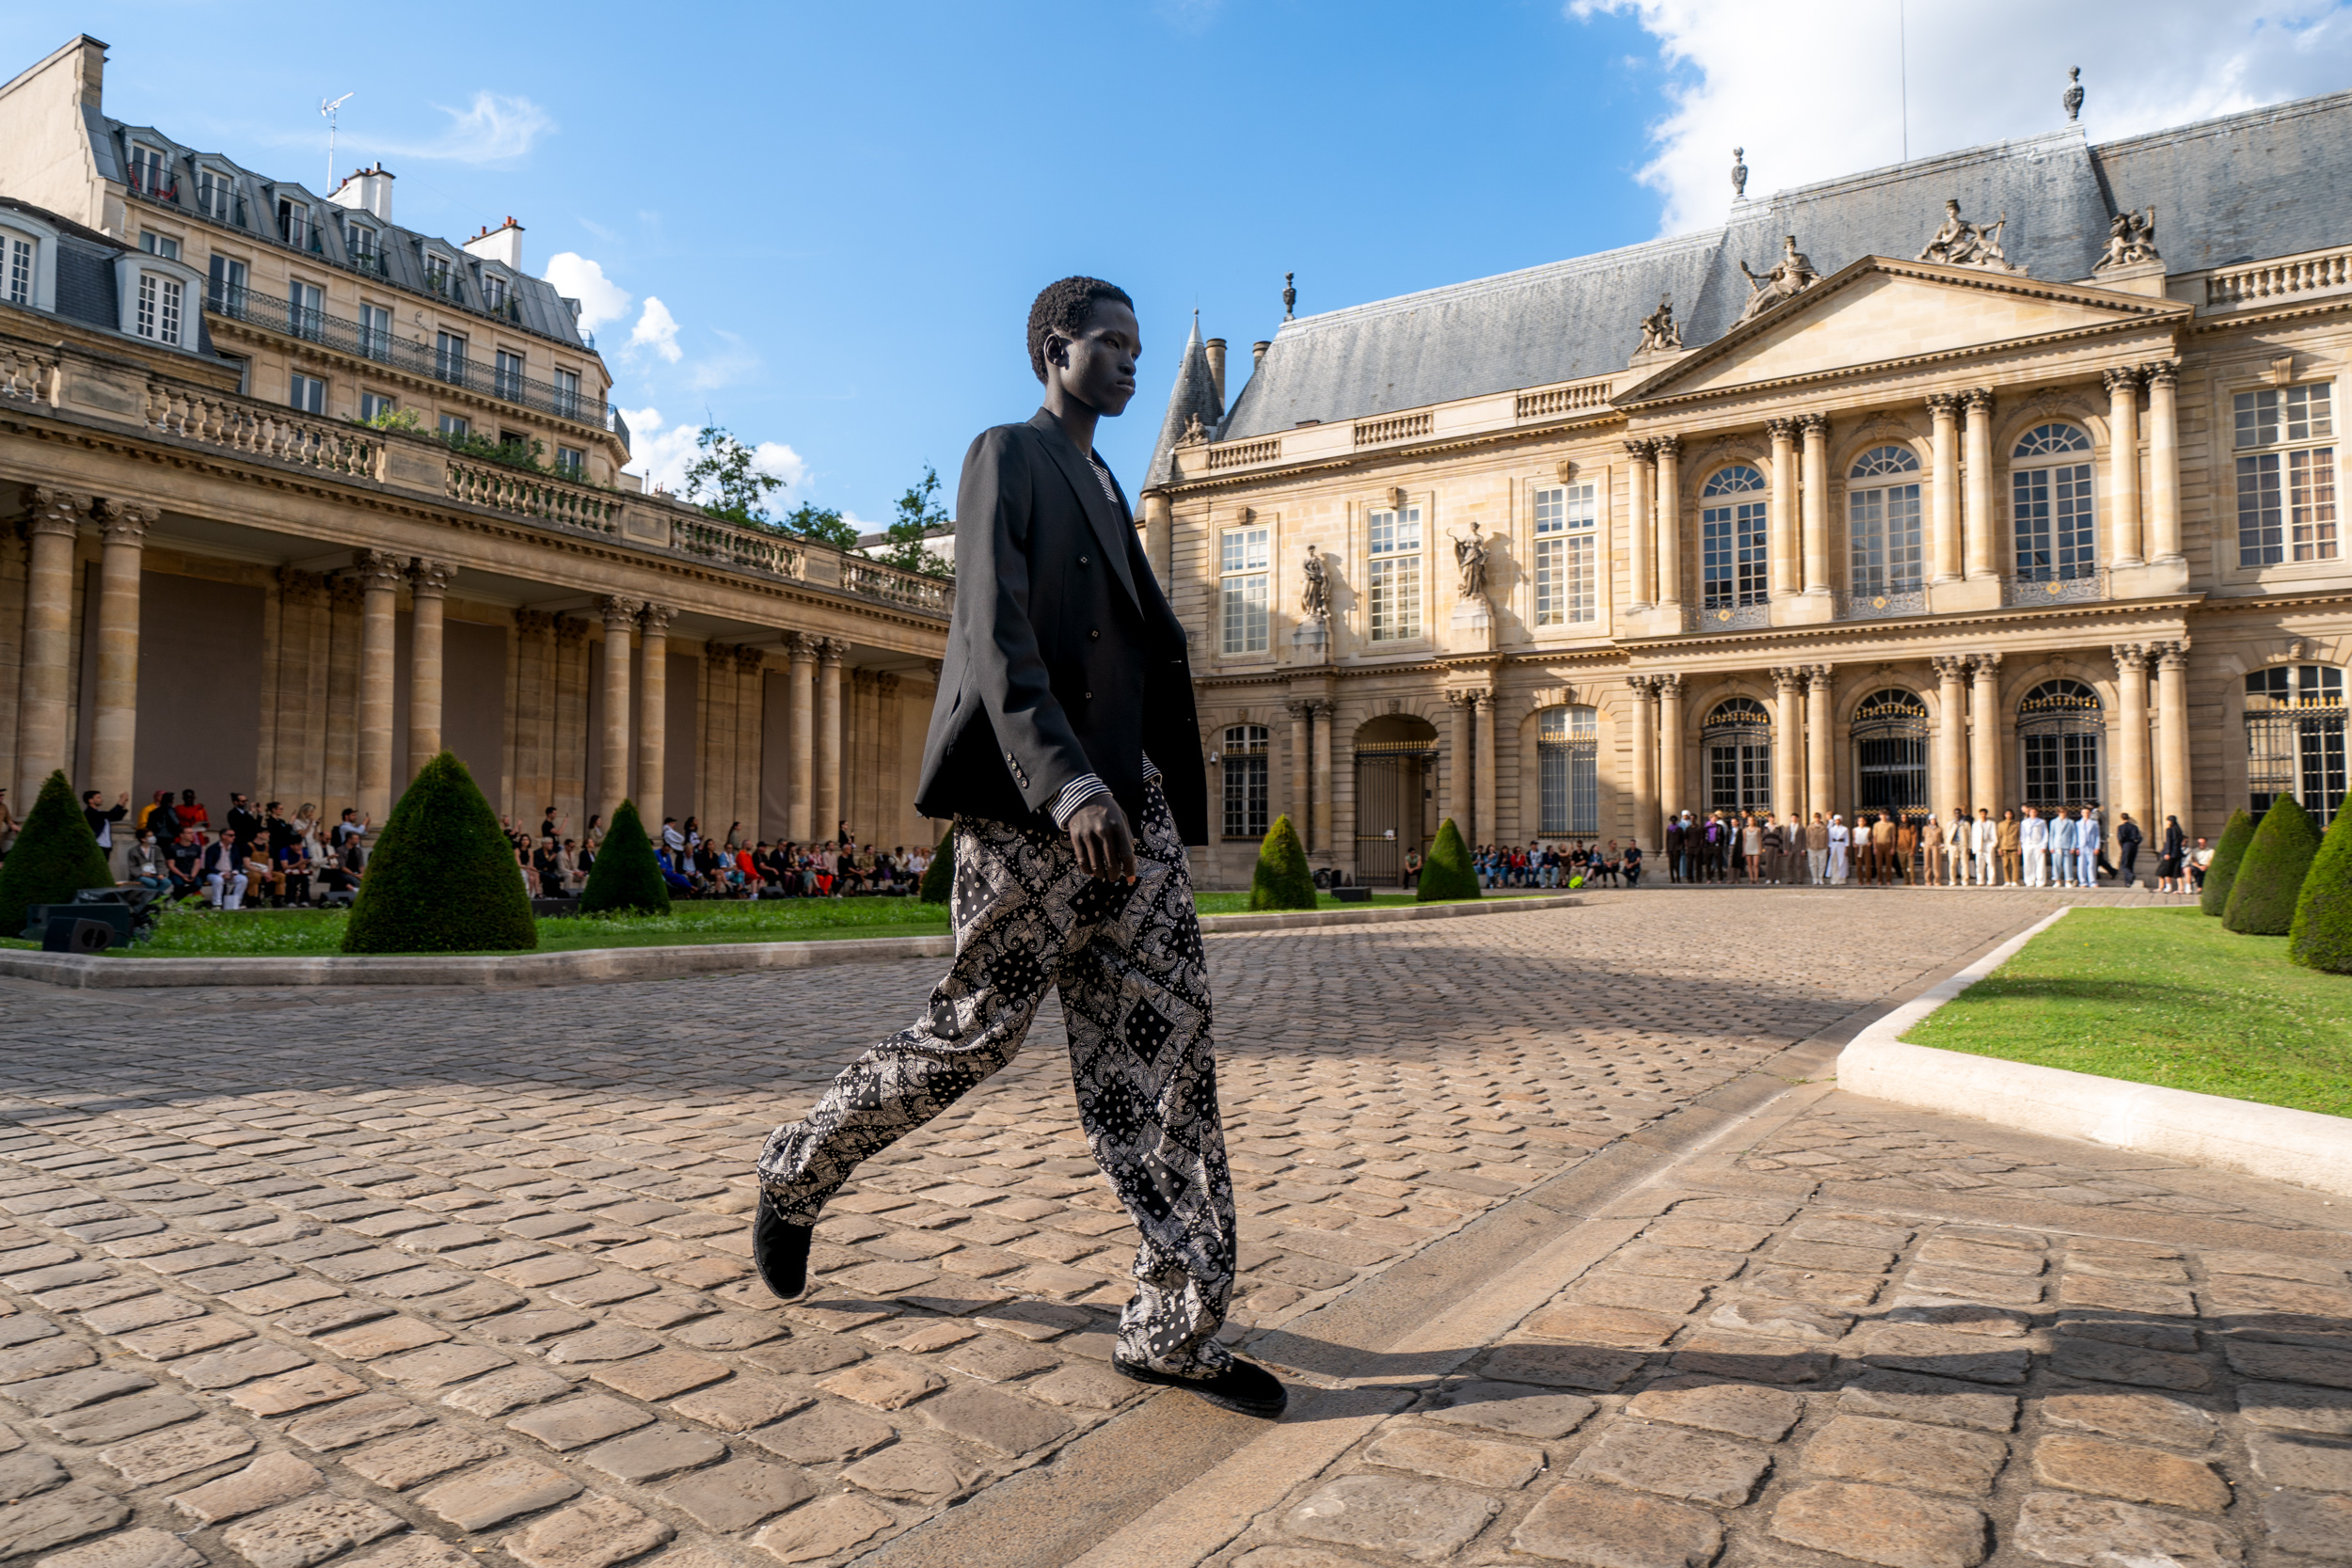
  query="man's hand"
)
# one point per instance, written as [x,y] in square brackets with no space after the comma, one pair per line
[1098,832]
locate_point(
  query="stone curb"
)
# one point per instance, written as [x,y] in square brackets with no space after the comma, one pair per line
[629,963]
[2304,1148]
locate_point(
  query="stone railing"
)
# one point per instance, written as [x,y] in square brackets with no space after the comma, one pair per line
[1235,454]
[2279,279]
[25,372]
[244,425]
[747,549]
[1398,427]
[1555,401]
[529,494]
[874,580]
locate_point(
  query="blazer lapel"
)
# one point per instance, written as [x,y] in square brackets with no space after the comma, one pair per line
[1111,531]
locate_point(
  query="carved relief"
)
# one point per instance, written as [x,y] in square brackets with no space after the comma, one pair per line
[1961,243]
[1790,275]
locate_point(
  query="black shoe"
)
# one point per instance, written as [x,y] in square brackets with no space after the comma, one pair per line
[1244,1388]
[780,1249]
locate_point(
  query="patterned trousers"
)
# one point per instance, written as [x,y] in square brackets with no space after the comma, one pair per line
[1135,992]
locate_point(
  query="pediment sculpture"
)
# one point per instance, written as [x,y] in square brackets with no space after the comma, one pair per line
[2131,240]
[1790,275]
[1961,243]
[1660,332]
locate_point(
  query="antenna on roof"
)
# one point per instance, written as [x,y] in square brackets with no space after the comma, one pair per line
[328,110]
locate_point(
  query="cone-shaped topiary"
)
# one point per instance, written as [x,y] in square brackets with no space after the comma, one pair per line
[443,878]
[939,881]
[2222,874]
[1447,873]
[55,856]
[2322,935]
[2270,877]
[627,874]
[1281,879]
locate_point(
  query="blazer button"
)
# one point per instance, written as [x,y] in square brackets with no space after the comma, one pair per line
[1082,561]
[1094,631]
[1089,696]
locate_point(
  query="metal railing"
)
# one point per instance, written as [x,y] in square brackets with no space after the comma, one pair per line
[1744,617]
[2079,585]
[1880,603]
[156,181]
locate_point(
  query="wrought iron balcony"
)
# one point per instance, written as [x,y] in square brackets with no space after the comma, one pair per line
[1878,603]
[156,181]
[2048,585]
[1726,617]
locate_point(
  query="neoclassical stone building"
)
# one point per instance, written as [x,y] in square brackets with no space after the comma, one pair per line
[213,575]
[1999,478]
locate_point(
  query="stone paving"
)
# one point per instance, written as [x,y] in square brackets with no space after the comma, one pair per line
[411,1279]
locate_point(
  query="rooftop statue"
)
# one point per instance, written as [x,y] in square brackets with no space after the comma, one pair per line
[1791,276]
[2131,240]
[1961,243]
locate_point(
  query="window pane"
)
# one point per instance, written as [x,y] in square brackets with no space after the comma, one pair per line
[1550,511]
[2311,503]
[2261,520]
[1583,592]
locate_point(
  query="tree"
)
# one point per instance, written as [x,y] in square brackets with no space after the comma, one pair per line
[627,874]
[55,856]
[1281,879]
[726,480]
[443,878]
[939,879]
[822,524]
[919,512]
[1448,873]
[2271,879]
[2321,937]
[2227,855]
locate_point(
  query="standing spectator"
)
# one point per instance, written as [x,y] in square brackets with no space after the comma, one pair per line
[2033,842]
[1839,841]
[592,836]
[2127,836]
[223,872]
[1956,839]
[1752,844]
[243,820]
[2005,839]
[1931,851]
[101,821]
[1816,848]
[2170,876]
[192,812]
[2087,844]
[1775,845]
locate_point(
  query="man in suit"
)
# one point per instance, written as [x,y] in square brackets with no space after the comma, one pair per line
[1064,744]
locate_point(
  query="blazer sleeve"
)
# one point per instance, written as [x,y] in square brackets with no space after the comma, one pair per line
[1042,749]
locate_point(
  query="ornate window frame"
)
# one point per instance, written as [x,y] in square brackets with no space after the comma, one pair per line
[25,229]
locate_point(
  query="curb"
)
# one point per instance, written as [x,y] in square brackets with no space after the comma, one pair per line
[81,972]
[2304,1148]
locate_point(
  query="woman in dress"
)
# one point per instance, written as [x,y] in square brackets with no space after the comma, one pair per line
[1752,844]
[2170,877]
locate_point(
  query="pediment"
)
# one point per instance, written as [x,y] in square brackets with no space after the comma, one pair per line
[1879,310]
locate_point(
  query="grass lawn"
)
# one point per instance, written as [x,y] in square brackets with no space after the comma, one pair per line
[2162,996]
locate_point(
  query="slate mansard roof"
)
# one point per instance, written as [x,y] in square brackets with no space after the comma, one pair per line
[88,289]
[2267,182]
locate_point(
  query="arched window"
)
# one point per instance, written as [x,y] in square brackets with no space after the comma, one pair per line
[1890,753]
[1738,736]
[1567,750]
[2058,726]
[1244,748]
[2050,505]
[1733,523]
[2295,737]
[1882,521]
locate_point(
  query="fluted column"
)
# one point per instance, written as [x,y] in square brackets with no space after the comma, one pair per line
[653,739]
[1980,539]
[1669,522]
[428,587]
[1461,788]
[1668,688]
[1786,562]
[1819,784]
[751,718]
[1816,503]
[45,681]
[2131,737]
[115,707]
[1326,806]
[1943,489]
[1952,733]
[1640,527]
[620,620]
[1788,732]
[1984,781]
[826,795]
[2164,464]
[2172,783]
[2124,467]
[1646,805]
[380,576]
[1489,819]
[1297,798]
[801,706]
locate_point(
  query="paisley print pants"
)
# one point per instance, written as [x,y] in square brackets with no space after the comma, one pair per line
[1135,992]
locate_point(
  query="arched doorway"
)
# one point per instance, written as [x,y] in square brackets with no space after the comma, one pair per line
[1890,753]
[2295,737]
[2058,725]
[1396,775]
[1737,738]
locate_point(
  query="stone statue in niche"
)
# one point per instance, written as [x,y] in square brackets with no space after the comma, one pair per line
[1790,275]
[1659,334]
[1314,589]
[1961,243]
[2131,240]
[1470,559]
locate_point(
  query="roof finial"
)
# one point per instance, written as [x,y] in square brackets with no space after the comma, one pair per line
[2073,95]
[1739,174]
[1290,295]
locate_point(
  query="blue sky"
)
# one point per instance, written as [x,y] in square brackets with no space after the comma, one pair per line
[844,211]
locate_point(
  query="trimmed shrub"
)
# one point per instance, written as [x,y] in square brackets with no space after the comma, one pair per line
[1281,879]
[939,881]
[2322,935]
[443,878]
[1447,873]
[628,874]
[55,856]
[2222,874]
[2270,877]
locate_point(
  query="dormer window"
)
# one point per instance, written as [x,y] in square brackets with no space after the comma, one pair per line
[161,307]
[436,275]
[494,293]
[28,262]
[151,174]
[16,269]
[158,298]
[365,245]
[215,196]
[296,225]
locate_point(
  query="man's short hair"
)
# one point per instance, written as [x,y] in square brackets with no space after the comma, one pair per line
[1064,308]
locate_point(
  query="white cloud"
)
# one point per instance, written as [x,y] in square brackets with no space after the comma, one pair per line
[575,276]
[495,127]
[657,329]
[660,453]
[774,457]
[1824,97]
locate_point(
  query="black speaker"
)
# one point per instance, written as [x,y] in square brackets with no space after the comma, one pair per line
[66,933]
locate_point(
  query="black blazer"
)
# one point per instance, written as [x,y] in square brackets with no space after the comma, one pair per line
[1064,657]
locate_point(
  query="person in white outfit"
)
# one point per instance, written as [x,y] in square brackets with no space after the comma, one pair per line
[1838,841]
[223,872]
[2087,835]
[1984,838]
[2033,837]
[1956,847]
[2062,849]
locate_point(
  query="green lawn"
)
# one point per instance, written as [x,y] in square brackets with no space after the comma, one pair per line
[2162,996]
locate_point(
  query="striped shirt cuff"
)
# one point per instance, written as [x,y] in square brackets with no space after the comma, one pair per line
[1085,787]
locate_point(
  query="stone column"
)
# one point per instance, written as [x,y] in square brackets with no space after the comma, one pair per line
[1943,548]
[1979,544]
[1647,807]
[379,582]
[1816,503]
[1489,819]
[1159,534]
[1787,738]
[653,740]
[1669,522]
[1952,733]
[1300,802]
[825,798]
[1668,688]
[1984,780]
[1821,784]
[799,790]
[2124,467]
[44,683]
[428,586]
[1461,788]
[115,707]
[569,742]
[750,714]
[1327,803]
[2130,740]
[1786,562]
[1641,591]
[2164,464]
[2172,782]
[620,619]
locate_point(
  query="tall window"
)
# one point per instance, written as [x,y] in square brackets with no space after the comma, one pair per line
[436,276]
[567,393]
[1395,573]
[1890,752]
[294,225]
[457,425]
[227,293]
[2295,737]
[509,374]
[376,331]
[1246,747]
[1882,521]
[18,273]
[2058,726]
[1733,523]
[2286,496]
[307,392]
[1242,586]
[1739,740]
[159,308]
[306,310]
[1567,555]
[362,243]
[571,461]
[151,174]
[377,405]
[216,194]
[494,293]
[2050,505]
[449,357]
[1567,753]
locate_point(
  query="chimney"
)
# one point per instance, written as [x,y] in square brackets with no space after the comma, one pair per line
[1216,369]
[366,190]
[1257,354]
[503,244]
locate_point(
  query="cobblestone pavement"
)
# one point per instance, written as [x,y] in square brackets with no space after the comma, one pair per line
[422,1278]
